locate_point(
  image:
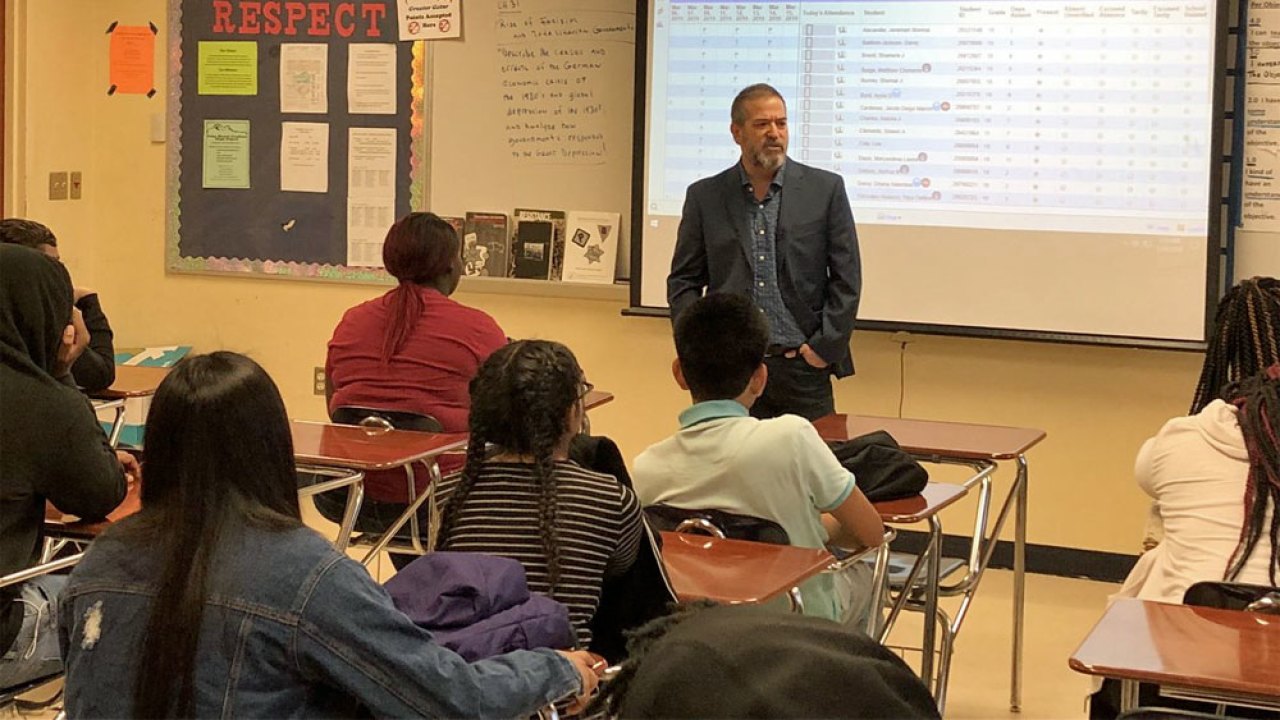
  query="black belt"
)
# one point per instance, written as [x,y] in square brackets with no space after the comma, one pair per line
[779,350]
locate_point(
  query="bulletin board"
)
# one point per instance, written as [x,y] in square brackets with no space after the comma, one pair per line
[297,135]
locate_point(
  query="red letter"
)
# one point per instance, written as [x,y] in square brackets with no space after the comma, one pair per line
[271,17]
[319,18]
[373,13]
[348,28]
[294,11]
[222,17]
[249,10]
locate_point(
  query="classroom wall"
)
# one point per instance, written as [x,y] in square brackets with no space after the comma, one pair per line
[1097,404]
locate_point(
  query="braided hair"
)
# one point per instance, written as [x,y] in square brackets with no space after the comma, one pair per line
[1257,399]
[520,402]
[1246,338]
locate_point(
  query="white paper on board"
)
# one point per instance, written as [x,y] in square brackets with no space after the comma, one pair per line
[304,78]
[371,162]
[371,79]
[429,19]
[304,157]
[367,223]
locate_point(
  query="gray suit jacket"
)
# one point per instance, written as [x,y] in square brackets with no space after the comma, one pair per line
[819,270]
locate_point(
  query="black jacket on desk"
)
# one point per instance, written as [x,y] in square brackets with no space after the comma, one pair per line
[51,445]
[95,369]
[819,268]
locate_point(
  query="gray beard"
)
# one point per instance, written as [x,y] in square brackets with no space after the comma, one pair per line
[769,162]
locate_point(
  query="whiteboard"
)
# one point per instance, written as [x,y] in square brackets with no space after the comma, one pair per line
[532,107]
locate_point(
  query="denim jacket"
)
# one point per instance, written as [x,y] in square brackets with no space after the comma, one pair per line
[291,629]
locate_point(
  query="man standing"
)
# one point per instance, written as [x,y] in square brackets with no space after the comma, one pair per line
[781,233]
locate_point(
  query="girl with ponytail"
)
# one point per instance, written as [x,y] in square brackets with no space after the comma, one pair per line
[412,349]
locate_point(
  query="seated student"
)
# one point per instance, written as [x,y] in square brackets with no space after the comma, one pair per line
[1211,474]
[94,369]
[777,469]
[1214,478]
[520,496]
[51,448]
[214,600]
[753,663]
[1244,342]
[412,349]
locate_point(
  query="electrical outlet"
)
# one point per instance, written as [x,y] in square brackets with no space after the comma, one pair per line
[75,188]
[318,380]
[903,337]
[58,185]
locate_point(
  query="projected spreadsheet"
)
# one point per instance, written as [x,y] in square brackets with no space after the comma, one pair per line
[1035,115]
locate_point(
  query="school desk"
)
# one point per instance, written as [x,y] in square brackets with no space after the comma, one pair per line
[365,449]
[981,448]
[1192,653]
[117,423]
[62,526]
[133,381]
[738,571]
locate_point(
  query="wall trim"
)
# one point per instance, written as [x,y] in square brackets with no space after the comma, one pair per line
[1041,559]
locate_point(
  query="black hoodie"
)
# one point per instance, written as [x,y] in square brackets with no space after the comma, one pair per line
[51,445]
[752,662]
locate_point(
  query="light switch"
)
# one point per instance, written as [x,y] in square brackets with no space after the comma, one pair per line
[58,185]
[158,131]
[75,188]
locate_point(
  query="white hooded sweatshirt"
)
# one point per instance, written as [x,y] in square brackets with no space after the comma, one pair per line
[1195,469]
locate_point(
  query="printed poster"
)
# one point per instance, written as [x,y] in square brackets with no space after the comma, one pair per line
[429,19]
[304,157]
[304,78]
[132,60]
[227,68]
[226,154]
[371,78]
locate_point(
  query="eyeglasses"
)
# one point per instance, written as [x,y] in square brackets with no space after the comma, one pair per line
[586,389]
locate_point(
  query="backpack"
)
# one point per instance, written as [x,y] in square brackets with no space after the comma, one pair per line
[884,470]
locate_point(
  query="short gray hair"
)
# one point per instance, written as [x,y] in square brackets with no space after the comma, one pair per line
[737,113]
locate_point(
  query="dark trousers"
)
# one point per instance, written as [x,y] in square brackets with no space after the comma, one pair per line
[795,387]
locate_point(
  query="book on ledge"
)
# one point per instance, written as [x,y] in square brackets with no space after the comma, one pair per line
[538,247]
[591,247]
[486,245]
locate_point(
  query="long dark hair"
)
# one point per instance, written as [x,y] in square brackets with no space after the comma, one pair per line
[420,249]
[1246,338]
[1257,399]
[218,449]
[520,403]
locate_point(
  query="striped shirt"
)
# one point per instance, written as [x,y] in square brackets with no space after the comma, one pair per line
[597,530]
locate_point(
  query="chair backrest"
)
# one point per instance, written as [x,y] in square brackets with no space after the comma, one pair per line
[731,525]
[628,601]
[1234,596]
[397,419]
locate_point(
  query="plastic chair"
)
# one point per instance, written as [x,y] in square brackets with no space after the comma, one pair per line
[398,420]
[9,697]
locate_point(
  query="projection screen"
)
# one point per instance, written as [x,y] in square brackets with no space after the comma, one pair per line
[1041,168]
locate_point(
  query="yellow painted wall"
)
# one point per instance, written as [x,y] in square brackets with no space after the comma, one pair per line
[1097,404]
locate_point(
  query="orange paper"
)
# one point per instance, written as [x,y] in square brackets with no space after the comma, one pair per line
[132,60]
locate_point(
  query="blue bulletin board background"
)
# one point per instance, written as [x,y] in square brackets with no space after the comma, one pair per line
[262,230]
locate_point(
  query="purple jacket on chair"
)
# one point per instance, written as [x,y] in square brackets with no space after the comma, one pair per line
[479,605]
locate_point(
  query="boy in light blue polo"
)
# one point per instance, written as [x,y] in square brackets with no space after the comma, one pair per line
[777,469]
